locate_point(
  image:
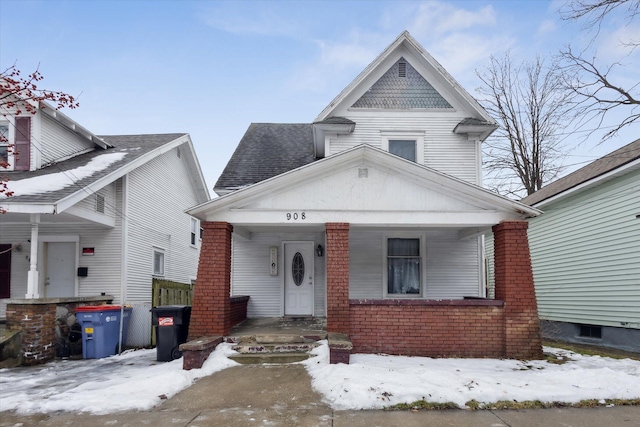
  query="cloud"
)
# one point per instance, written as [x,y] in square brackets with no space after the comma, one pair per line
[237,18]
[438,18]
[546,27]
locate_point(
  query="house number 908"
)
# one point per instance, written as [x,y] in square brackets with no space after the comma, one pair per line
[296,216]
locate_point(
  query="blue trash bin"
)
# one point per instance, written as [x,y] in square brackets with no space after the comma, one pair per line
[101,329]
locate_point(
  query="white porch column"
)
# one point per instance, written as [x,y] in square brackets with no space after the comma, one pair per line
[32,277]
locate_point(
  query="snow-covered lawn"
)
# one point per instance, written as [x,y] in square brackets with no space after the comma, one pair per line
[135,381]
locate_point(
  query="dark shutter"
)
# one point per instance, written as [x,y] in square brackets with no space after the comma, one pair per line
[22,144]
[5,271]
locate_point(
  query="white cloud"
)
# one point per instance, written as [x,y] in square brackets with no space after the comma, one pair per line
[436,18]
[546,27]
[237,18]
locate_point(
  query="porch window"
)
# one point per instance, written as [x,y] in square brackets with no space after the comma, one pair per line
[158,262]
[403,266]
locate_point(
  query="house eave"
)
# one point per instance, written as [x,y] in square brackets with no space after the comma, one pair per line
[72,125]
[320,130]
[622,170]
[511,209]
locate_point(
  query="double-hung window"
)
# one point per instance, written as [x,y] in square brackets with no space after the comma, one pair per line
[404,266]
[158,262]
[194,232]
[408,145]
[4,145]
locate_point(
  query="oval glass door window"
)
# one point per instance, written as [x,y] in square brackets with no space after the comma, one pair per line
[297,269]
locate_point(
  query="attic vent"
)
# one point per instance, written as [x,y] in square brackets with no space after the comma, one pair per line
[178,152]
[99,203]
[402,69]
[363,173]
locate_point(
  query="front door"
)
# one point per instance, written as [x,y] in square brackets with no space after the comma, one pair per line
[298,279]
[60,279]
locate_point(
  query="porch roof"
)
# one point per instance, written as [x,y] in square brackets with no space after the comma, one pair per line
[364,186]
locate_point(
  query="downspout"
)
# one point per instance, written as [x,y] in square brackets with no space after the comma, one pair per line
[124,215]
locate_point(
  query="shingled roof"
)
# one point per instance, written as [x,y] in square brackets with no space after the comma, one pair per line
[267,150]
[135,146]
[603,165]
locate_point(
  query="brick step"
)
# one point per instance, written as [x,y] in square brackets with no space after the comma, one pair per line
[270,358]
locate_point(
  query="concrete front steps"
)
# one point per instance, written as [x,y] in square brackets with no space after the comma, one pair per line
[273,348]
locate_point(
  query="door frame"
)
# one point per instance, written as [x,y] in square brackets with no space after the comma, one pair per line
[42,261]
[282,267]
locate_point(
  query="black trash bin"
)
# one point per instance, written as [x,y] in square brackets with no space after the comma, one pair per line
[172,328]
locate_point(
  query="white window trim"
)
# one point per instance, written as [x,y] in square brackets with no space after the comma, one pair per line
[417,136]
[194,232]
[9,122]
[423,265]
[155,250]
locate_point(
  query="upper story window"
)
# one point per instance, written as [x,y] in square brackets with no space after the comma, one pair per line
[4,146]
[194,231]
[404,267]
[405,148]
[408,145]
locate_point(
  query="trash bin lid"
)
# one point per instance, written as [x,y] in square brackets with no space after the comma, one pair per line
[98,308]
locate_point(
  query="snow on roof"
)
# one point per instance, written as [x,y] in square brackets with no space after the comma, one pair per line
[58,181]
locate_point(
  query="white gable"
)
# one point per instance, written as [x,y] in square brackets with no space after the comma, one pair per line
[407,48]
[363,186]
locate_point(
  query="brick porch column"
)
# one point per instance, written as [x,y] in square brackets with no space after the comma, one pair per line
[337,253]
[514,285]
[211,310]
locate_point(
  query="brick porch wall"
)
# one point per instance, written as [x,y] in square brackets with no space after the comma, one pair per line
[449,328]
[211,310]
[238,309]
[514,285]
[337,253]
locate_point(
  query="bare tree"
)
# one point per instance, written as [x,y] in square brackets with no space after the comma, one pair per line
[596,92]
[532,107]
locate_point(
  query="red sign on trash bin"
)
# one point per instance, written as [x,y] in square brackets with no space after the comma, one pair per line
[165,321]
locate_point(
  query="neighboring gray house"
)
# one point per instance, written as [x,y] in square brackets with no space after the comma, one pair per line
[94,215]
[585,251]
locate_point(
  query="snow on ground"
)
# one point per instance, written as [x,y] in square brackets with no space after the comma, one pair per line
[375,381]
[136,381]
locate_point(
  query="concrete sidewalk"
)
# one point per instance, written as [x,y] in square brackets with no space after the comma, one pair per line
[281,395]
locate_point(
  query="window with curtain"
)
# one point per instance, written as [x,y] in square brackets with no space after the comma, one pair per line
[403,266]
[405,148]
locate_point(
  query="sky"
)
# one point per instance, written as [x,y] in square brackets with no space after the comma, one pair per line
[134,380]
[210,68]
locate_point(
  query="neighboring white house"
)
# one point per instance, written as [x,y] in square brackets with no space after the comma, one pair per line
[94,215]
[381,194]
[585,251]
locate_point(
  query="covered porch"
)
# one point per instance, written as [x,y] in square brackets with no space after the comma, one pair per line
[390,252]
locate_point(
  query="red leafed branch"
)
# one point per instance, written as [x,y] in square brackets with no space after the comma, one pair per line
[20,95]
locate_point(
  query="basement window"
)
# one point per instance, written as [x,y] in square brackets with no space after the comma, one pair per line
[590,331]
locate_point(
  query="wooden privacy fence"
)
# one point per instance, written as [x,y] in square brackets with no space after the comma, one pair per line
[166,292]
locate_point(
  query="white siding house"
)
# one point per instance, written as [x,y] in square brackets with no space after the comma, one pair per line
[585,252]
[377,203]
[103,204]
